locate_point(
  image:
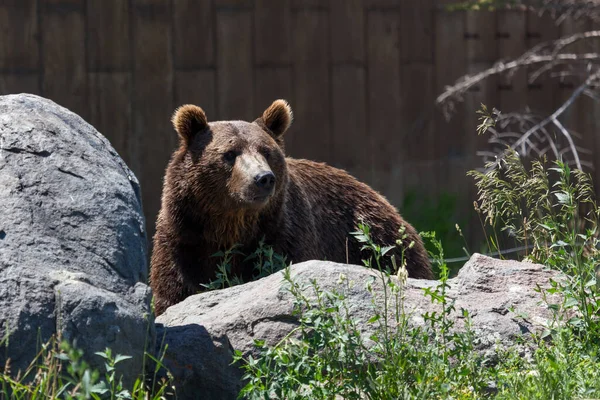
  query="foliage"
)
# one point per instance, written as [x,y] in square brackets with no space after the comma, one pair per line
[326,356]
[552,211]
[266,262]
[59,371]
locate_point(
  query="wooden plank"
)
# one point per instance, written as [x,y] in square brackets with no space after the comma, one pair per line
[484,93]
[234,60]
[349,122]
[233,4]
[197,87]
[311,133]
[581,117]
[272,21]
[416,31]
[384,101]
[567,84]
[151,142]
[63,40]
[589,113]
[480,36]
[19,38]
[541,93]
[511,44]
[272,83]
[110,108]
[108,39]
[372,5]
[418,88]
[450,65]
[193,26]
[19,83]
[347,31]
[322,5]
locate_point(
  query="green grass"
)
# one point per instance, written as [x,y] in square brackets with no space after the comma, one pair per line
[60,371]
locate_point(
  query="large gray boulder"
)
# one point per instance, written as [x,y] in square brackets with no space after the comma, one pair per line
[73,251]
[202,331]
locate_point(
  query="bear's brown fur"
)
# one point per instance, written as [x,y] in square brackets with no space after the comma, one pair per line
[230,182]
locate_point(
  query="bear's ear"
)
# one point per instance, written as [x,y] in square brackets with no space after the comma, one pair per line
[188,120]
[278,118]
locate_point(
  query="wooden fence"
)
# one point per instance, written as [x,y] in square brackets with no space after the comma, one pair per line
[361,76]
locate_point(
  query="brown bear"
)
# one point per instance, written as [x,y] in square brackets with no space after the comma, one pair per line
[229,182]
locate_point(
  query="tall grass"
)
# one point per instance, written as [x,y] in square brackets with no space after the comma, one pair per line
[59,371]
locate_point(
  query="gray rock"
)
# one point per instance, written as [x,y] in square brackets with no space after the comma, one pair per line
[73,251]
[202,331]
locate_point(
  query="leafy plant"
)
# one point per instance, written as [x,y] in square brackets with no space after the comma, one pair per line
[266,262]
[327,357]
[59,371]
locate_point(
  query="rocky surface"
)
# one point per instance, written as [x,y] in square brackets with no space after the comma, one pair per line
[73,251]
[203,330]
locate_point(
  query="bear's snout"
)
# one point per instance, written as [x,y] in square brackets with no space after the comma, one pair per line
[265,182]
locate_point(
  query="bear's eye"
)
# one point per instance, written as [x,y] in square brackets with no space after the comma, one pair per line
[266,154]
[230,156]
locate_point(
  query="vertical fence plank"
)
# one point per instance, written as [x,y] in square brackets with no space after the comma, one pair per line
[449,150]
[511,44]
[272,64]
[591,119]
[233,4]
[567,84]
[153,140]
[197,87]
[348,89]
[273,83]
[382,4]
[19,44]
[385,101]
[450,64]
[234,60]
[110,111]
[108,44]
[416,31]
[272,40]
[193,34]
[482,51]
[19,83]
[63,40]
[581,117]
[349,122]
[480,36]
[418,135]
[347,32]
[19,47]
[481,42]
[322,5]
[541,93]
[109,72]
[310,136]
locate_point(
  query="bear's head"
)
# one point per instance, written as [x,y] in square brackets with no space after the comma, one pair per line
[231,167]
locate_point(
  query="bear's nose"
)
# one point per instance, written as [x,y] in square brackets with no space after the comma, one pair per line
[265,180]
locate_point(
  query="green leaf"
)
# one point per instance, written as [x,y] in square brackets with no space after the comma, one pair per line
[563,198]
[571,302]
[121,357]
[374,318]
[386,249]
